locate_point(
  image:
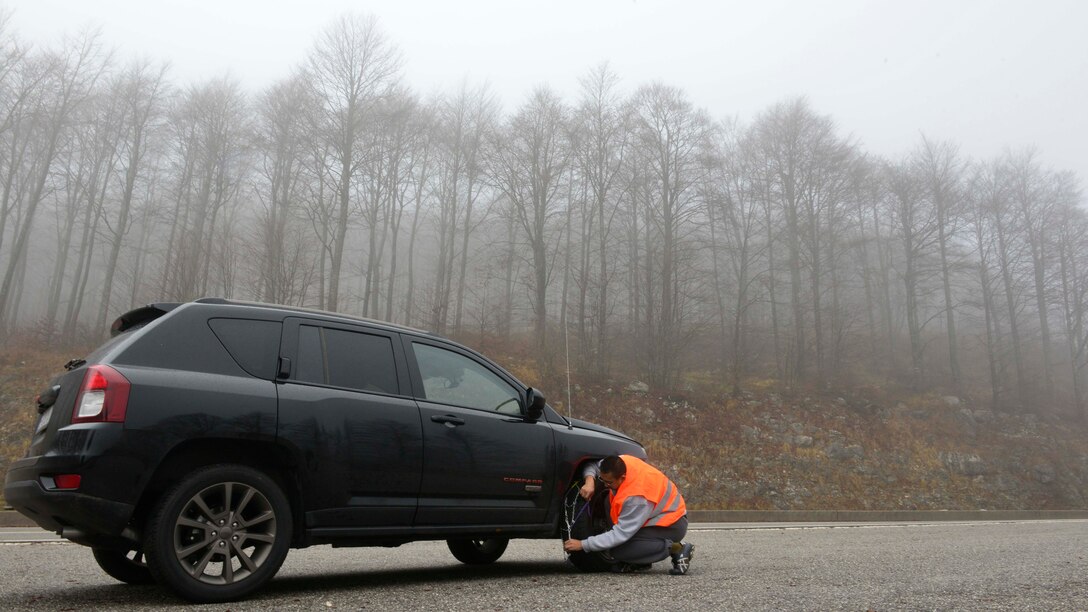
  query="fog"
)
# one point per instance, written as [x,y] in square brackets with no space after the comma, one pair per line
[987,75]
[817,197]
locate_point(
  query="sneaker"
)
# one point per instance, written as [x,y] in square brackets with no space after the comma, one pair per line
[628,568]
[681,560]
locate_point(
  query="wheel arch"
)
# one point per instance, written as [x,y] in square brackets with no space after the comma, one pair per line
[266,457]
[564,483]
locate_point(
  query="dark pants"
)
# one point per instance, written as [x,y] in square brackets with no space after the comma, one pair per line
[650,544]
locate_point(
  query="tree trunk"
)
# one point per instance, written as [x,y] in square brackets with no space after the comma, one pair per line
[1014,328]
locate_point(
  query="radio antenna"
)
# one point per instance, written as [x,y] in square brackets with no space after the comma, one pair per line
[566,349]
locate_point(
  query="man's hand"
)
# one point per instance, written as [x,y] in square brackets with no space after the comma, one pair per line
[588,488]
[572,545]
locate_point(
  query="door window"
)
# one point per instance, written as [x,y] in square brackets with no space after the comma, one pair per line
[452,378]
[347,359]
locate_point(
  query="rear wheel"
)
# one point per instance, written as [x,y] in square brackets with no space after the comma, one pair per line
[220,534]
[478,552]
[127,566]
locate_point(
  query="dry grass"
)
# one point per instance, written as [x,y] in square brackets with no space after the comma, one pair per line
[25,370]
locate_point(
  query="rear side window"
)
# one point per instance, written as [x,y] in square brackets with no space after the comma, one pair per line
[255,345]
[352,360]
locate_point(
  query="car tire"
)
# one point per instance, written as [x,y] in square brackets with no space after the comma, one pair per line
[478,552]
[591,561]
[118,564]
[590,518]
[220,534]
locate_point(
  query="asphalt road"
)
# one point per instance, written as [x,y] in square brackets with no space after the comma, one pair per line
[1037,565]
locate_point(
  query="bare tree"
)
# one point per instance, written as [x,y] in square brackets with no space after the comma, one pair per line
[72,73]
[736,205]
[805,166]
[140,92]
[1029,189]
[529,166]
[351,67]
[601,136]
[942,169]
[823,197]
[422,171]
[468,123]
[88,161]
[916,230]
[282,139]
[672,139]
[210,125]
[320,203]
[1072,246]
[873,260]
[408,178]
[985,189]
[1009,256]
[20,99]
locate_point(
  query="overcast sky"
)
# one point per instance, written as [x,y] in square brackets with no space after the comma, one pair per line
[985,74]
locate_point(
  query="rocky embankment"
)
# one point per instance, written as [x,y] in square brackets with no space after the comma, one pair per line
[766,451]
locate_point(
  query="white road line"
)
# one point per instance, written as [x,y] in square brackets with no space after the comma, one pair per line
[866,525]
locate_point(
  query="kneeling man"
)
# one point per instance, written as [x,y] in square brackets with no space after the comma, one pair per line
[649,517]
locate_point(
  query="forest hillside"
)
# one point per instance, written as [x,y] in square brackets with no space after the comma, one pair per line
[868,449]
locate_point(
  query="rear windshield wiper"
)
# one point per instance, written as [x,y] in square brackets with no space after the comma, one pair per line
[73,364]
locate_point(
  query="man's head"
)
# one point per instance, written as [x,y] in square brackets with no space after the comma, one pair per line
[613,471]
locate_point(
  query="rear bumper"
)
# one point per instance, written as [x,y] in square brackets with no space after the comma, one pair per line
[105,501]
[57,510]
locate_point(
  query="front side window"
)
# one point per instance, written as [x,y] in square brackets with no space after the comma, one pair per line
[346,359]
[452,378]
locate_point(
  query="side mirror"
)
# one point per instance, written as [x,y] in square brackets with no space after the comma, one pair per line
[535,403]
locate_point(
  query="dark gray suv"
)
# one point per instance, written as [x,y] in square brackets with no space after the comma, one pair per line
[205,439]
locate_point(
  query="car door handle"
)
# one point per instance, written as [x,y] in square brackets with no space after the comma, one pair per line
[448,420]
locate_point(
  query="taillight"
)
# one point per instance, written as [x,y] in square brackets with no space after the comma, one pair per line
[103,397]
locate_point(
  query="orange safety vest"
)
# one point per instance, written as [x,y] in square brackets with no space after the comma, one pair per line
[644,480]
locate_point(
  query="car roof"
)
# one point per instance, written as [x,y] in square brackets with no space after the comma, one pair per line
[320,313]
[145,314]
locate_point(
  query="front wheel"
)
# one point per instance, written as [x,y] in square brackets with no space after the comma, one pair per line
[478,552]
[220,534]
[585,519]
[127,566]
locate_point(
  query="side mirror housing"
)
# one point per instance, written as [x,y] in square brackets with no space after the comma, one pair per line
[534,401]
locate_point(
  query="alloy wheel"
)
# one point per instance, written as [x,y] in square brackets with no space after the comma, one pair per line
[224,533]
